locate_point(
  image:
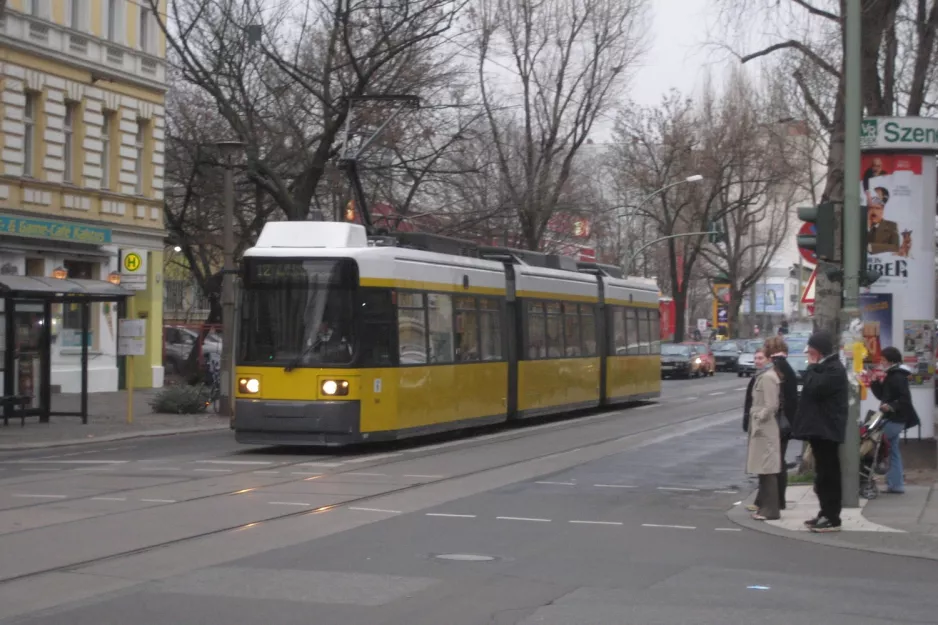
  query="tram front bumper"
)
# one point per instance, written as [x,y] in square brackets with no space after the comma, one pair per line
[272,422]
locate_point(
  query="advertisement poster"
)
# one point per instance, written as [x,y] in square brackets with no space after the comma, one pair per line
[918,350]
[721,301]
[770,299]
[892,190]
[876,315]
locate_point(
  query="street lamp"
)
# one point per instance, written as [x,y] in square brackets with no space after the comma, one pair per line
[228,150]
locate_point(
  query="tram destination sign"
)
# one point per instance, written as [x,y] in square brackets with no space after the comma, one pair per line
[54,230]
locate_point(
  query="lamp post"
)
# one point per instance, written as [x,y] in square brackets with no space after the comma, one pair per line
[228,149]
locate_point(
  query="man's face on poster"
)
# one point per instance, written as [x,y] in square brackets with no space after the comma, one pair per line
[877,166]
[877,207]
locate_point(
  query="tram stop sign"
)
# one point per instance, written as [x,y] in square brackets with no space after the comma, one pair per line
[809,255]
[133,268]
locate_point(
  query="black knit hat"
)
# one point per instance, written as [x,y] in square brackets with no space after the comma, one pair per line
[822,341]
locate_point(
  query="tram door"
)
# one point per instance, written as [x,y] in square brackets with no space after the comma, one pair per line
[28,328]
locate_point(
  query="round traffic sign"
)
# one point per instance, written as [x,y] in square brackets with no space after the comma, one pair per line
[132,262]
[809,255]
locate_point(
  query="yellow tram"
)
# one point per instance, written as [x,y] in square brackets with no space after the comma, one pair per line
[345,338]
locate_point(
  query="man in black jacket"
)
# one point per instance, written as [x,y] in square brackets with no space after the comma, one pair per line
[789,402]
[822,421]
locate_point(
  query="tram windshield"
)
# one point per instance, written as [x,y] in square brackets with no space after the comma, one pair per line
[298,312]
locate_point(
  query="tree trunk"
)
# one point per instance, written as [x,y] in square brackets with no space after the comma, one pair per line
[680,314]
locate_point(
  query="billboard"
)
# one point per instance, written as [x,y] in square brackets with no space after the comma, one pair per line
[770,299]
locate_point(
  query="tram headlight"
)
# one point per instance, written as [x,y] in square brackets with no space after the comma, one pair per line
[334,387]
[249,386]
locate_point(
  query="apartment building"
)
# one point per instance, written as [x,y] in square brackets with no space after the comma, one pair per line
[82,85]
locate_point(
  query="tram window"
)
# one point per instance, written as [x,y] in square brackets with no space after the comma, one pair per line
[440,309]
[490,325]
[467,330]
[588,327]
[571,330]
[631,331]
[412,328]
[377,328]
[655,329]
[554,330]
[644,337]
[537,337]
[618,345]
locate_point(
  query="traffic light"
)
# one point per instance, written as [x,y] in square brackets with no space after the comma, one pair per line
[867,277]
[715,232]
[350,211]
[824,237]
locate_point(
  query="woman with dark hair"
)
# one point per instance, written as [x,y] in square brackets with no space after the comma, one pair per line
[892,389]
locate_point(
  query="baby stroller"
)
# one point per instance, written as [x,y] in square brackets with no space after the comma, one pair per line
[874,453]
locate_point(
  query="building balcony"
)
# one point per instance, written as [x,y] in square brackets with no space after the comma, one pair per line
[104,59]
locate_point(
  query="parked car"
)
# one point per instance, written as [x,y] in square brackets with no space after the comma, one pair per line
[726,353]
[680,360]
[178,342]
[709,363]
[745,364]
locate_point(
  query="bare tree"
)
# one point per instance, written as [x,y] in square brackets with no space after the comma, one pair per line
[570,60]
[898,68]
[747,155]
[281,77]
[655,147]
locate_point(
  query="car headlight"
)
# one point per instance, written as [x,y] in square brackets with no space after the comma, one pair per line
[334,387]
[697,361]
[249,386]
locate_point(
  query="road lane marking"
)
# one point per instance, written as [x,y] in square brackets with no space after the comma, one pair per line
[741,388]
[266,472]
[320,464]
[287,503]
[614,486]
[159,500]
[429,477]
[213,470]
[376,510]
[727,492]
[70,461]
[717,393]
[646,406]
[521,518]
[367,474]
[305,473]
[164,469]
[676,488]
[597,522]
[109,499]
[263,462]
[727,529]
[453,516]
[687,399]
[558,483]
[31,496]
[37,470]
[674,527]
[369,458]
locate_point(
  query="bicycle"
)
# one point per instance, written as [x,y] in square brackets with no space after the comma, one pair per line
[213,374]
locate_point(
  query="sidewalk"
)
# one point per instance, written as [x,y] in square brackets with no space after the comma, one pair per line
[905,525]
[107,421]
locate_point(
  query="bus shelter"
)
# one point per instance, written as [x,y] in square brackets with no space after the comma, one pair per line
[26,312]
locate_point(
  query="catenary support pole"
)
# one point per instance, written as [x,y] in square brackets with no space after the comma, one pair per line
[227,297]
[850,218]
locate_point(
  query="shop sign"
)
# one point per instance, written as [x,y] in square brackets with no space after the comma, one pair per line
[54,230]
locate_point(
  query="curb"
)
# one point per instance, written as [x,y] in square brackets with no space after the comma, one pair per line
[114,437]
[740,516]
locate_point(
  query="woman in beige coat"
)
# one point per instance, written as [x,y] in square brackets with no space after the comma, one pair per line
[764,456]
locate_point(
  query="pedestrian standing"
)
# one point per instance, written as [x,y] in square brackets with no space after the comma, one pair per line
[898,411]
[759,360]
[777,351]
[822,421]
[762,456]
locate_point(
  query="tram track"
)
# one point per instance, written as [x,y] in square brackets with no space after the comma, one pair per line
[354,501]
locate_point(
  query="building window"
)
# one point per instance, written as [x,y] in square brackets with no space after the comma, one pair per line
[144,36]
[112,18]
[441,328]
[71,109]
[141,126]
[74,14]
[106,129]
[33,7]
[412,329]
[29,136]
[491,333]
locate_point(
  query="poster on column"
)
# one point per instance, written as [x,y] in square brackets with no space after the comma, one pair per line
[892,190]
[918,350]
[876,315]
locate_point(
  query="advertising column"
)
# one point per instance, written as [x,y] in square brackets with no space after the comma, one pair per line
[898,188]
